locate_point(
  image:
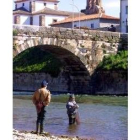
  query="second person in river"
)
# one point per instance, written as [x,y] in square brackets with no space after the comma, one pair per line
[72,110]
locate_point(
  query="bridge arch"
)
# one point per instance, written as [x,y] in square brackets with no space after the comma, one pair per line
[65,45]
[75,75]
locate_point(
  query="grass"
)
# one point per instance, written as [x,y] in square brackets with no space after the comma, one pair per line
[87,99]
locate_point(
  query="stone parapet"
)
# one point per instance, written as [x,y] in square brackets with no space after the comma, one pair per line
[68,33]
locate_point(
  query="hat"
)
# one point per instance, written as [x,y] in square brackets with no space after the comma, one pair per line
[44,83]
[72,96]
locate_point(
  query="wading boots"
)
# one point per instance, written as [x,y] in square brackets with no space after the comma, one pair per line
[41,128]
[37,128]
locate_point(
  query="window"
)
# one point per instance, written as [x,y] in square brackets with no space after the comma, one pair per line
[126,9]
[54,20]
[92,26]
[15,19]
[126,26]
[31,20]
[30,8]
[16,6]
[55,6]
[75,25]
[40,20]
[22,4]
[44,4]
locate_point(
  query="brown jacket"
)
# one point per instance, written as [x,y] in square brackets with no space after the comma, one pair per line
[45,96]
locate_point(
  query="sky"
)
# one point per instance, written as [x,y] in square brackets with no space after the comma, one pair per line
[112,7]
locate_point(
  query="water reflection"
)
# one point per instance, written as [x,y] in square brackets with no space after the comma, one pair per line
[72,129]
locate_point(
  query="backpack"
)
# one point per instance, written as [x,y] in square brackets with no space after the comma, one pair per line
[39,104]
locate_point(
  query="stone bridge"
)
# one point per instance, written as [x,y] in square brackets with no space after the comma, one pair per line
[79,50]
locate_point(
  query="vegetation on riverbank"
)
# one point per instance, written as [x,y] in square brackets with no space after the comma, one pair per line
[36,60]
[87,99]
[115,62]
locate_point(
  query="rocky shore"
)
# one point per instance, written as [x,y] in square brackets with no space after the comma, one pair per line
[30,135]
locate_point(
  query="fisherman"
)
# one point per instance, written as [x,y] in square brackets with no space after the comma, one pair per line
[41,99]
[72,110]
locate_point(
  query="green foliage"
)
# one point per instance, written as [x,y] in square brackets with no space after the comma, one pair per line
[115,62]
[82,46]
[96,38]
[14,46]
[36,60]
[15,32]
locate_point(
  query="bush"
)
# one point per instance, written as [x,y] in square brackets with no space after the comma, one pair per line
[36,60]
[15,33]
[115,62]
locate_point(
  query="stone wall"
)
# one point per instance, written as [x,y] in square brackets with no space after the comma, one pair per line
[32,81]
[62,84]
[110,82]
[101,83]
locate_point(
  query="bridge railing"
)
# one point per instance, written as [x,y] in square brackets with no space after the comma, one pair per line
[69,33]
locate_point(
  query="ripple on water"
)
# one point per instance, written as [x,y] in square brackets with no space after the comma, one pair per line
[97,121]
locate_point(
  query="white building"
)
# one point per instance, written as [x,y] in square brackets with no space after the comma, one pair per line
[93,21]
[38,12]
[124,16]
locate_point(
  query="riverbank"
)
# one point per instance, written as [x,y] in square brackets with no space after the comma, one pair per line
[27,135]
[87,99]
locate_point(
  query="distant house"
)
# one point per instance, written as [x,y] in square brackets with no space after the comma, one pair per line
[93,21]
[38,12]
[124,16]
[46,13]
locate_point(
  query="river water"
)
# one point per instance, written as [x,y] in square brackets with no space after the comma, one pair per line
[101,122]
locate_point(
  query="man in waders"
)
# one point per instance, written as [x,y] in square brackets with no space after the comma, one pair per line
[72,110]
[41,98]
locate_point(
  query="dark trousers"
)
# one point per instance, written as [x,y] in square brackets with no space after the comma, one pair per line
[41,116]
[71,119]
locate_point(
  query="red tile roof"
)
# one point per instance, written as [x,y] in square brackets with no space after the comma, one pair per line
[86,17]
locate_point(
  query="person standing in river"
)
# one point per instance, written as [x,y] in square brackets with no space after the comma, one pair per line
[41,98]
[72,110]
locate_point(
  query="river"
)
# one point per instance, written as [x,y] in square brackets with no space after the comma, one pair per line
[98,121]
